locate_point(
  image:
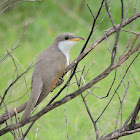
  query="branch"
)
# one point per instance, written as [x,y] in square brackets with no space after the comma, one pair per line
[70,96]
[120,108]
[111,19]
[14,83]
[122,132]
[87,108]
[14,47]
[12,113]
[100,39]
[126,129]
[4,116]
[136,111]
[3,2]
[16,4]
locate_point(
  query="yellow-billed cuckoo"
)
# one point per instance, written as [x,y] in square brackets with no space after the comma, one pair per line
[50,66]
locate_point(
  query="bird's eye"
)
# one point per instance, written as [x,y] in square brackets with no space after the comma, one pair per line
[66,37]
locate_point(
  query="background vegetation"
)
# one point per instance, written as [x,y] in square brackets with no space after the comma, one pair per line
[45,20]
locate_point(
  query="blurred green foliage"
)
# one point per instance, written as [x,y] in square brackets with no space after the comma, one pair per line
[45,20]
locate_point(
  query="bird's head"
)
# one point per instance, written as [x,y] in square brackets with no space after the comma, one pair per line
[66,41]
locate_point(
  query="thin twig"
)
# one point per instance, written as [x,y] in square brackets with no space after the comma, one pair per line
[121,102]
[130,32]
[127,8]
[25,134]
[133,77]
[14,47]
[90,10]
[109,32]
[26,86]
[38,125]
[117,88]
[16,4]
[111,19]
[89,113]
[117,134]
[13,133]
[136,111]
[131,27]
[3,2]
[66,120]
[14,63]
[6,91]
[88,69]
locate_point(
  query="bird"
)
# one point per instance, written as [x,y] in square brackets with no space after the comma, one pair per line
[49,67]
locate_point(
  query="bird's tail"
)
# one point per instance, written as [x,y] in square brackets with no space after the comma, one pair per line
[28,110]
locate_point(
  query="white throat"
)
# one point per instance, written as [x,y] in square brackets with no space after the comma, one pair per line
[64,47]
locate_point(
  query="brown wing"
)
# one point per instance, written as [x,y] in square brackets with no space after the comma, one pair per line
[52,69]
[37,86]
[46,91]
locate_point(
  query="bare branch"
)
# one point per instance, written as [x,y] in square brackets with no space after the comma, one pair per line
[3,2]
[16,4]
[14,47]
[121,102]
[89,113]
[25,134]
[127,8]
[136,111]
[65,110]
[90,10]
[131,32]
[15,82]
[121,132]
[117,88]
[14,63]
[111,19]
[126,129]
[100,39]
